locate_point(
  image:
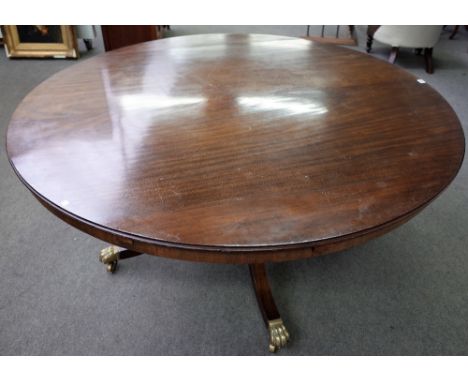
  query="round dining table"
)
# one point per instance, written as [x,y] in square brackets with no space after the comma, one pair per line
[234,148]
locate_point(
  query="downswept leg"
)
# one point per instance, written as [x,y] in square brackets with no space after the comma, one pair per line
[110,256]
[279,336]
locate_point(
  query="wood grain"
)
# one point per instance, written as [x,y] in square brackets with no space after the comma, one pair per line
[234,148]
[265,300]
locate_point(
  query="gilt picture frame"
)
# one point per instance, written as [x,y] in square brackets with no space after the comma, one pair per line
[40,41]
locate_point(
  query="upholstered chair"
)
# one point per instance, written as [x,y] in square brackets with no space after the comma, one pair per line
[418,37]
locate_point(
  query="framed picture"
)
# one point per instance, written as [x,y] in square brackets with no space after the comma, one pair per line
[57,41]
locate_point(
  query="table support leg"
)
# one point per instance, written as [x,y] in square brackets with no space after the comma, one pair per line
[279,336]
[110,256]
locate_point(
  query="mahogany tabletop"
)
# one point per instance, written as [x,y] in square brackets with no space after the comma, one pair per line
[234,143]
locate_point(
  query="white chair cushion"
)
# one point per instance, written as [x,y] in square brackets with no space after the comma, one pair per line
[409,36]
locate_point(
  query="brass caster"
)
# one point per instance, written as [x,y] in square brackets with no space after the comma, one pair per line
[110,257]
[112,267]
[279,336]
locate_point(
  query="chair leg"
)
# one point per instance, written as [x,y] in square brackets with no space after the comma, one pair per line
[428,59]
[88,43]
[454,32]
[370,40]
[393,54]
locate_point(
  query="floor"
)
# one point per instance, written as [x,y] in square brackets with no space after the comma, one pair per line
[403,294]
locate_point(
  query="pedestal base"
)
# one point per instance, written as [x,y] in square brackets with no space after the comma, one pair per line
[278,334]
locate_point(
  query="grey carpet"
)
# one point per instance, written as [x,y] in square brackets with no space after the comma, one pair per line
[404,293]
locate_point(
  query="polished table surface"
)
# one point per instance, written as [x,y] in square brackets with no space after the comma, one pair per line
[227,143]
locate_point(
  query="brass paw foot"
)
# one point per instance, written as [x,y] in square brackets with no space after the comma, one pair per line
[110,257]
[279,336]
